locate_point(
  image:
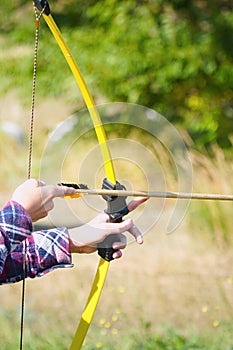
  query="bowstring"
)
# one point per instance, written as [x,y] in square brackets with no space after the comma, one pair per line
[30,149]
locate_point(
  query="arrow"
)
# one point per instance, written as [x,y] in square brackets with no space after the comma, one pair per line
[155,194]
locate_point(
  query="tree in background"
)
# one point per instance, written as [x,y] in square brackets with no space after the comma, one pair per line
[172,56]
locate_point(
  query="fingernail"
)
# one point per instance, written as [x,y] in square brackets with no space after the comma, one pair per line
[116,245]
[140,240]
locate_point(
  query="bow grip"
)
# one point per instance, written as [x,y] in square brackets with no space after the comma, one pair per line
[116,209]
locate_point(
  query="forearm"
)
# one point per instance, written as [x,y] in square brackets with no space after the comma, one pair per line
[15,226]
[46,251]
[15,223]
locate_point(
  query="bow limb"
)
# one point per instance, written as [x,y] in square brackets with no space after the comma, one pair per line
[103,266]
[89,101]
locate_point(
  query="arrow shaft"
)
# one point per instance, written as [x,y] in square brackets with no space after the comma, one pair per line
[155,194]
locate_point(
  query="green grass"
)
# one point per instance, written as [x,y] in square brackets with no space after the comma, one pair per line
[183,280]
[163,339]
[170,339]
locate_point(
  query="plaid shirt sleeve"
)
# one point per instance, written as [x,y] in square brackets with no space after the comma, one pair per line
[46,250]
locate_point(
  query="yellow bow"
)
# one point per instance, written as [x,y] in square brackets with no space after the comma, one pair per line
[103,266]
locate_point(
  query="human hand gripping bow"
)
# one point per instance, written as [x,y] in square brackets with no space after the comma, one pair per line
[106,230]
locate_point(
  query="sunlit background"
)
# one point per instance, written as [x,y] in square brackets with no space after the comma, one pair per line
[174,58]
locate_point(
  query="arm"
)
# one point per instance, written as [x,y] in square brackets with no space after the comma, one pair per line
[84,239]
[30,201]
[15,226]
[49,249]
[37,198]
[46,251]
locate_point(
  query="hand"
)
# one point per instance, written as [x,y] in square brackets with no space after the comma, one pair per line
[37,198]
[83,239]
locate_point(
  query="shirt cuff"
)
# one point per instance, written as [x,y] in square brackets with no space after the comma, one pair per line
[48,250]
[16,223]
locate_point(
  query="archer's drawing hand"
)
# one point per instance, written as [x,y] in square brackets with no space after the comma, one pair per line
[37,198]
[83,239]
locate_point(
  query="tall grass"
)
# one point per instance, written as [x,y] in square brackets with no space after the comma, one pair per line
[213,175]
[173,293]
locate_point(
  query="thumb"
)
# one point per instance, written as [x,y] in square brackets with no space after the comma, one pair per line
[62,191]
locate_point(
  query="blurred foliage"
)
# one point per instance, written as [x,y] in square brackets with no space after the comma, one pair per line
[172,56]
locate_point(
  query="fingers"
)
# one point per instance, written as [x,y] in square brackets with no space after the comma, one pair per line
[40,183]
[136,202]
[122,240]
[48,206]
[54,191]
[61,191]
[101,222]
[121,243]
[124,226]
[136,233]
[117,254]
[118,228]
[129,226]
